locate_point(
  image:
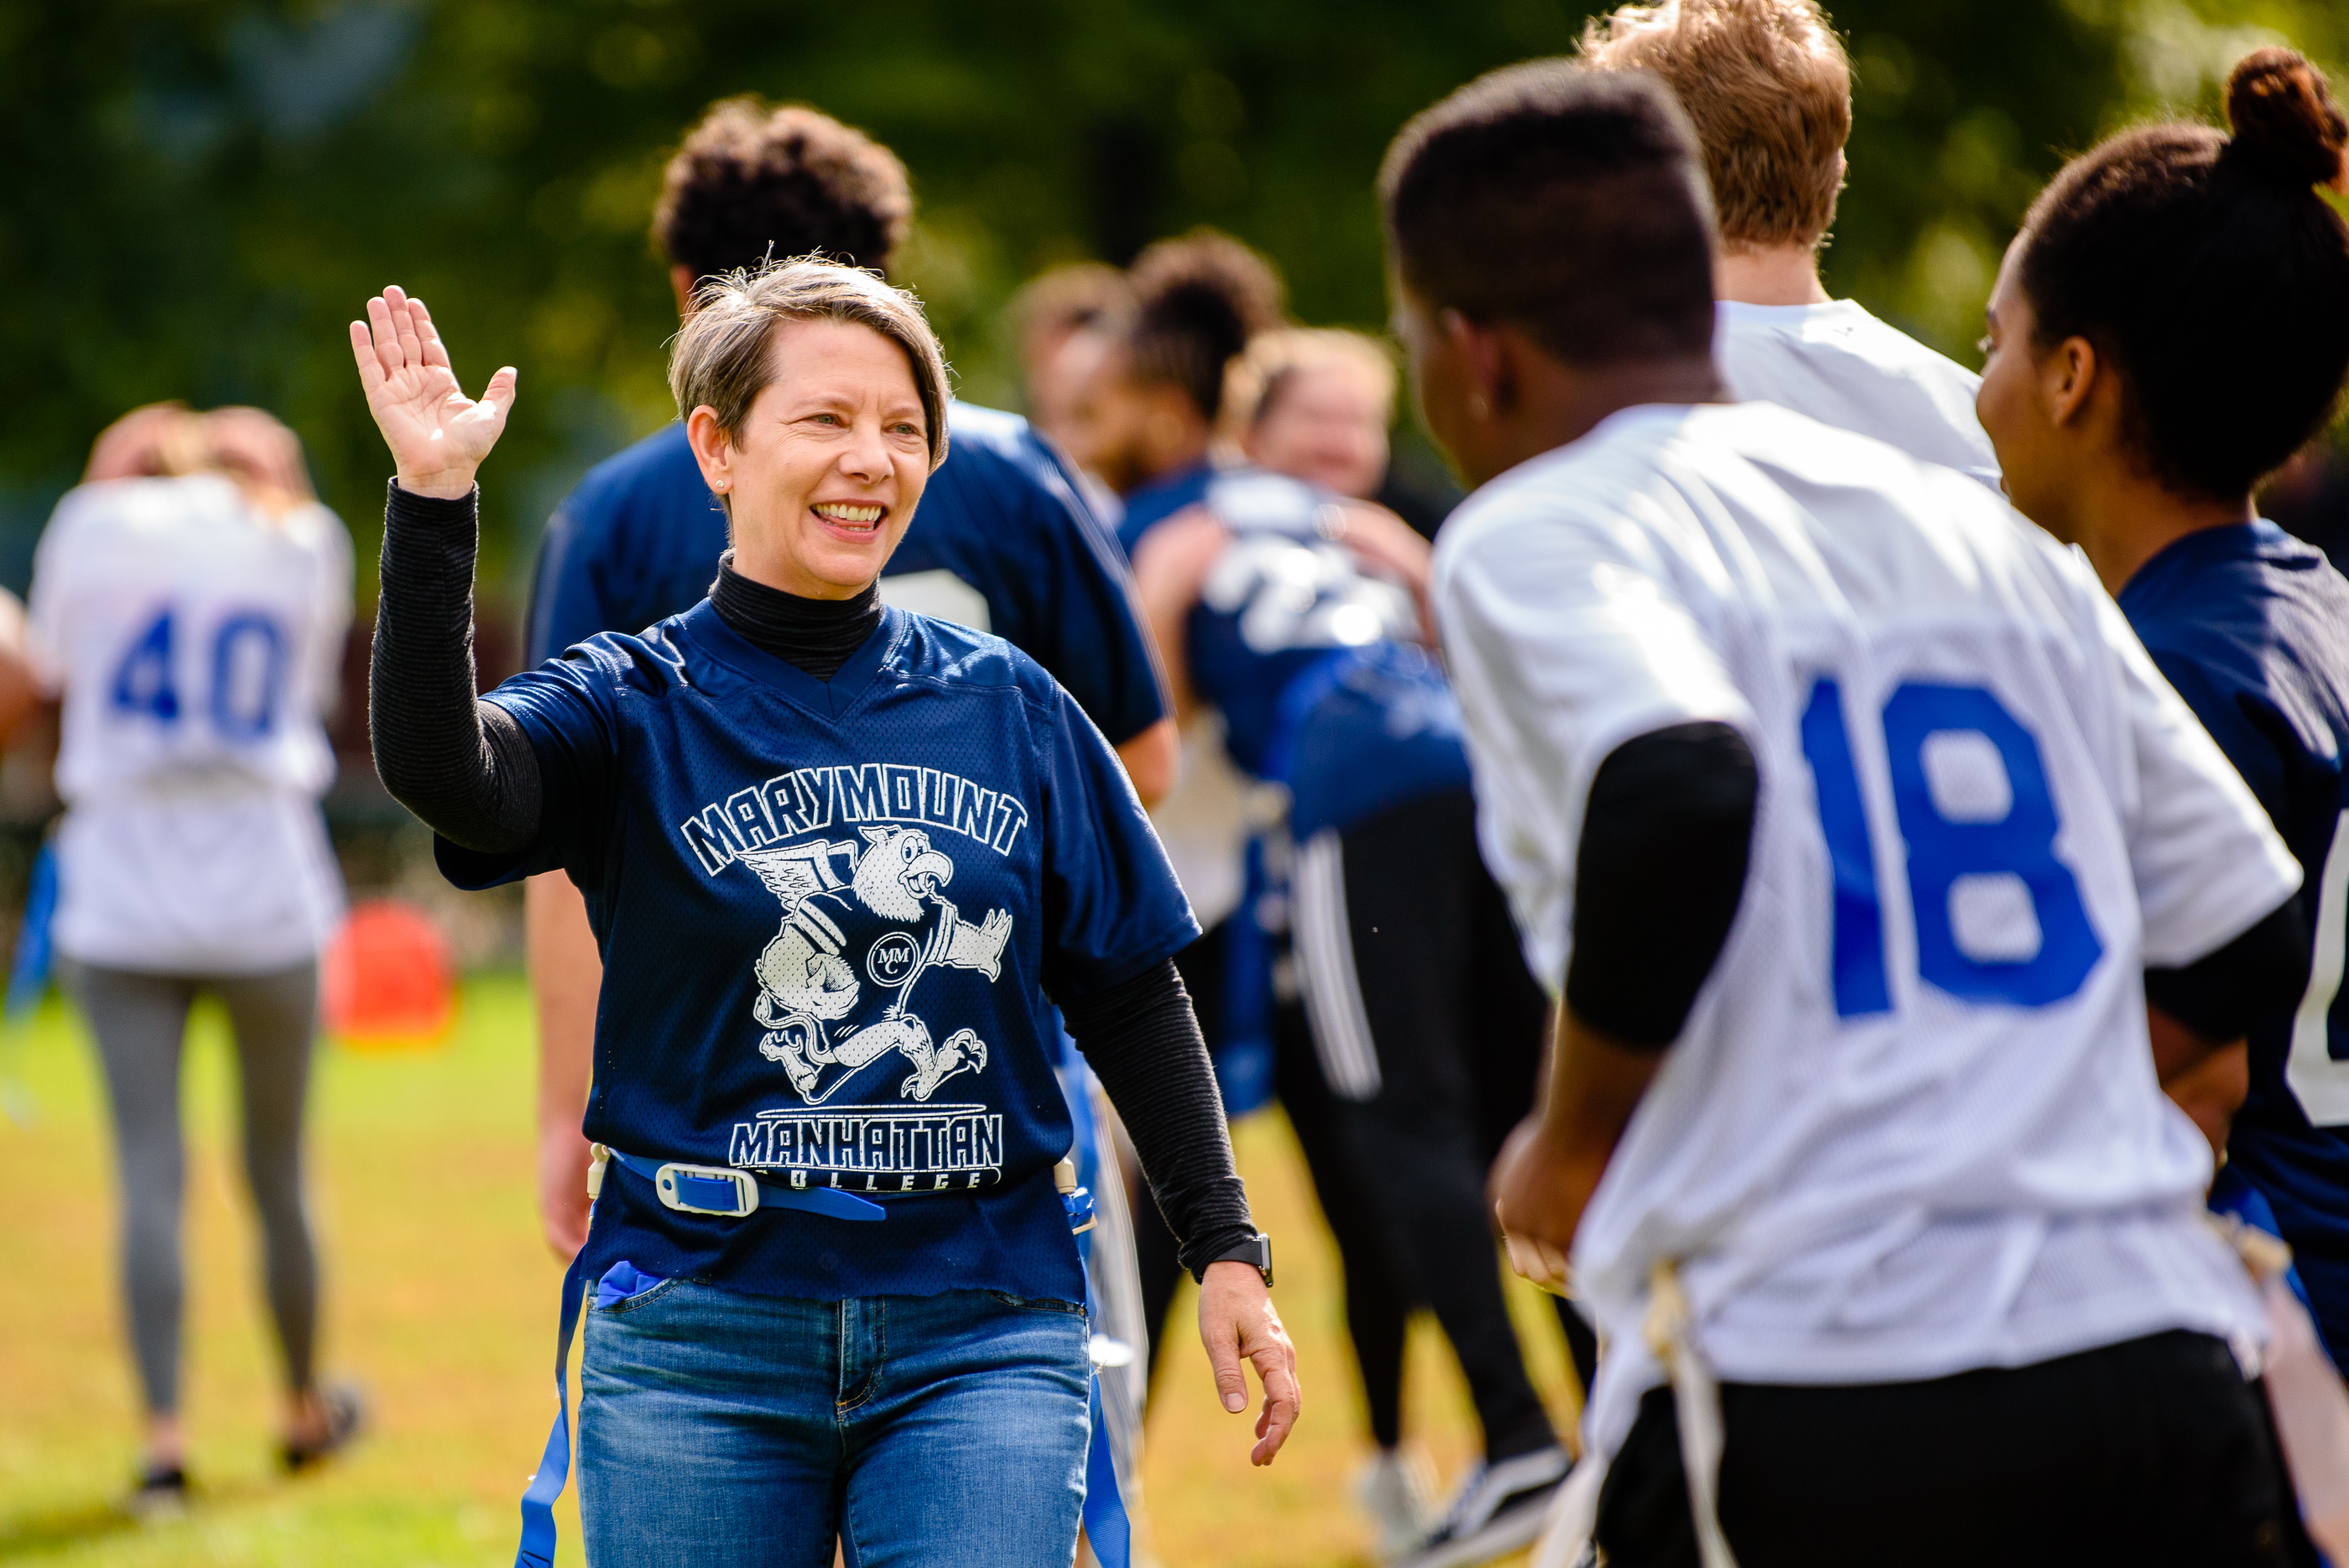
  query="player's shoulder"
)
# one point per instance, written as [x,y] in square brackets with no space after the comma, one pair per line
[1842,327]
[996,460]
[651,471]
[960,660]
[2232,598]
[658,661]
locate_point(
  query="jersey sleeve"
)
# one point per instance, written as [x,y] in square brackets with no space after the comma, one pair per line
[567,709]
[2207,861]
[1101,652]
[1567,633]
[1111,905]
[55,559]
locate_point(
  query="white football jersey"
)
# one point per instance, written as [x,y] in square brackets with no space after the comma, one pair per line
[1912,1125]
[1844,367]
[196,644]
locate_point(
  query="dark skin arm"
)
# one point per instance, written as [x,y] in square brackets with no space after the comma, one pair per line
[1553,1161]
[2207,1081]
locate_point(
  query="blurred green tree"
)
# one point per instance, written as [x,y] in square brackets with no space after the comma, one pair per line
[201,193]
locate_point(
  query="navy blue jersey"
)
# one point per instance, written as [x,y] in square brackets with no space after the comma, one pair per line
[1160,499]
[1001,526]
[2252,627]
[1373,729]
[1280,600]
[829,917]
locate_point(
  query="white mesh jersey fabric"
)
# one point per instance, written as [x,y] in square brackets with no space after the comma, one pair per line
[1941,1146]
[195,645]
[1844,367]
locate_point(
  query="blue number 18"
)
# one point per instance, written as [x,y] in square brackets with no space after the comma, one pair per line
[1941,851]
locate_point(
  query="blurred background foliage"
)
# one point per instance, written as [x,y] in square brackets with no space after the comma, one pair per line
[199,193]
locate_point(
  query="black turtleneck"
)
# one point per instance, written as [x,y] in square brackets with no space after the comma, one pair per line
[815,635]
[469,770]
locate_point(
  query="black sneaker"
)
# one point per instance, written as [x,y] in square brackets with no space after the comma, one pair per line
[1499,1509]
[160,1496]
[345,1419]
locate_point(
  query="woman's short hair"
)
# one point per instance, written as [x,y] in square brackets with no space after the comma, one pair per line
[721,356]
[1566,201]
[2209,272]
[752,183]
[1255,381]
[1197,301]
[1767,86]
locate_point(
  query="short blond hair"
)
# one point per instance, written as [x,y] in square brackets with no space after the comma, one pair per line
[719,356]
[1767,86]
[1253,383]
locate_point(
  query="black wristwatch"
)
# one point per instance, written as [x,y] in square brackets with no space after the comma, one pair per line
[1256,1252]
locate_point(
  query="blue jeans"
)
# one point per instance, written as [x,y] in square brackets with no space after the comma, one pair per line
[717,1428]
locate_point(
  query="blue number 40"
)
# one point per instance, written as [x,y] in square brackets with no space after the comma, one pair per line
[248,675]
[1943,852]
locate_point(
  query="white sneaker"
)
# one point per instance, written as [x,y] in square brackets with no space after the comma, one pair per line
[1499,1509]
[1394,1489]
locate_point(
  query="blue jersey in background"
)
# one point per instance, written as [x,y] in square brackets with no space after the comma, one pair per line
[831,914]
[1002,541]
[1155,501]
[2251,627]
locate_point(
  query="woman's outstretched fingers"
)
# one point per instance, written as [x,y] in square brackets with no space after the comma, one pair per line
[403,324]
[363,350]
[435,351]
[384,333]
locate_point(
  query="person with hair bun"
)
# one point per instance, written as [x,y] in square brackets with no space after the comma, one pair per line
[1146,415]
[2170,326]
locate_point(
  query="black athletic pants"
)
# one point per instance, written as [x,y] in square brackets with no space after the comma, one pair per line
[1429,1031]
[2154,1453]
[1378,1306]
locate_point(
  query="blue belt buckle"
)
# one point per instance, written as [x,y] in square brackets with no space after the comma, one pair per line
[706,1189]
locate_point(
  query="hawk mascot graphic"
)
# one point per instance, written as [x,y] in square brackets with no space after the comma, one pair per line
[886,927]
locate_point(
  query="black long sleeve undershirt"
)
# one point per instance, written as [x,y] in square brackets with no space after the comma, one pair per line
[468,770]
[2258,976]
[1143,1042]
[1658,877]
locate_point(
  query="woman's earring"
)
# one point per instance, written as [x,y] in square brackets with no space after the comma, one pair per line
[721,484]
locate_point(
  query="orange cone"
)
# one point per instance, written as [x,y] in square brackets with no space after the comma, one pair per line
[387,983]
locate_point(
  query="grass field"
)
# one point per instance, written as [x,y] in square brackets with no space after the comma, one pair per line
[441,1302]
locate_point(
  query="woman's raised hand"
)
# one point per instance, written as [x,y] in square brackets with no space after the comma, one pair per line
[438,435]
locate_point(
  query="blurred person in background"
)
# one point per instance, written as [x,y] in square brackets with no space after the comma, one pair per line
[1005,542]
[189,607]
[2308,498]
[1314,403]
[1152,390]
[1767,87]
[1317,404]
[1298,614]
[1060,317]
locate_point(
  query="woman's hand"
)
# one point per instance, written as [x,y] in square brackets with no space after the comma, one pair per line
[438,435]
[1237,1323]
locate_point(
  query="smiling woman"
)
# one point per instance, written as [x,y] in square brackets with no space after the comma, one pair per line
[765,801]
[818,411]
